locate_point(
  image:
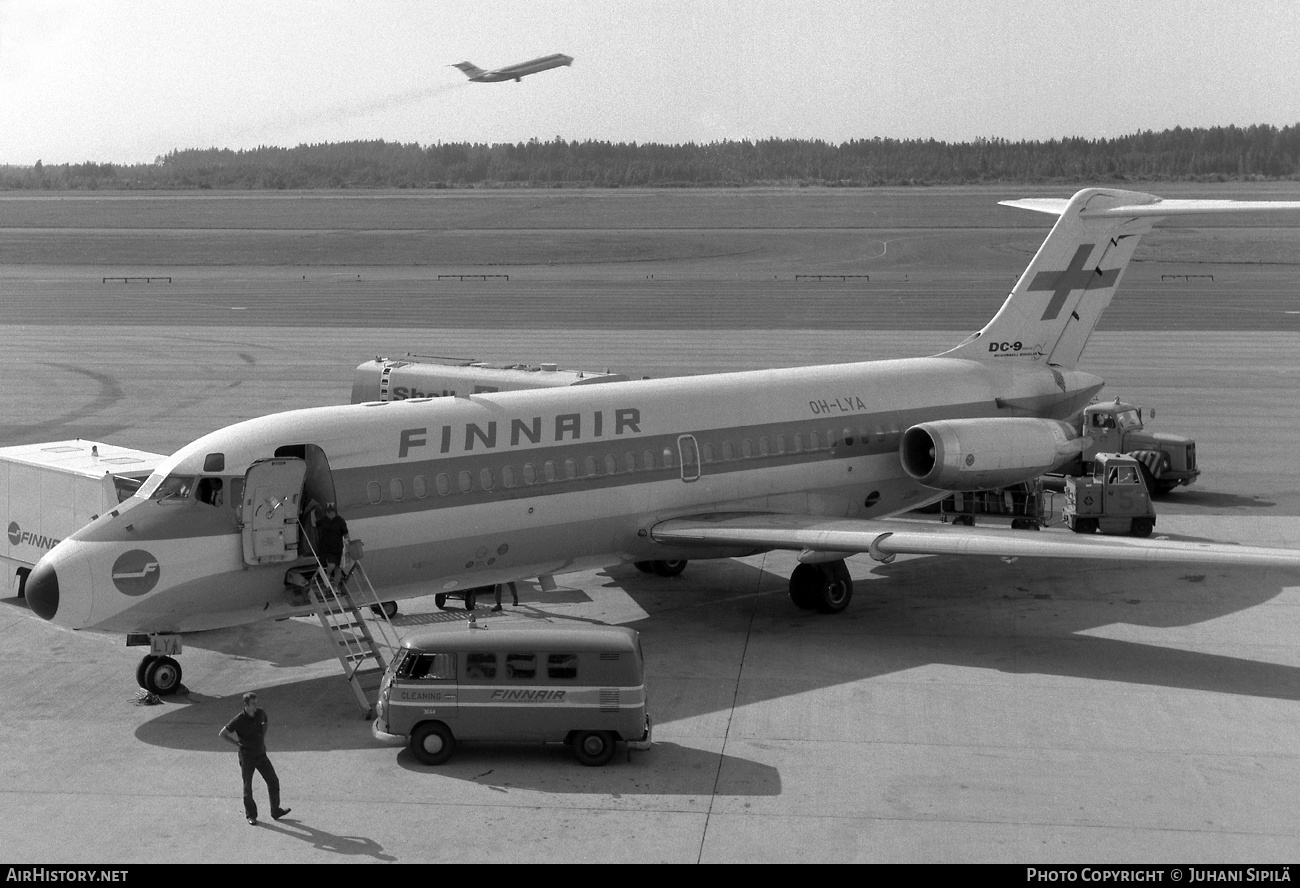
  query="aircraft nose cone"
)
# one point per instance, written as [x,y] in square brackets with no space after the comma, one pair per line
[42,591]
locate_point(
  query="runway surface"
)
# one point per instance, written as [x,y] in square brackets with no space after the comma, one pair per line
[960,710]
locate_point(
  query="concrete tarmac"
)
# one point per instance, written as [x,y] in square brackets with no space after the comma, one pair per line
[961,710]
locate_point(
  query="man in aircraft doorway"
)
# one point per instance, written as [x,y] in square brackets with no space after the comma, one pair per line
[332,533]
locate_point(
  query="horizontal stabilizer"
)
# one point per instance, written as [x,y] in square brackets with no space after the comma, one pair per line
[883,539]
[1157,207]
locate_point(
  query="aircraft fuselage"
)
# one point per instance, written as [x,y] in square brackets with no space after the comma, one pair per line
[453,493]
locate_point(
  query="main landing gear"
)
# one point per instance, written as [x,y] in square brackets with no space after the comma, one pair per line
[825,587]
[158,675]
[661,568]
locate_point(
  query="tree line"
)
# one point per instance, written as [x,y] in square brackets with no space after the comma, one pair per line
[1227,153]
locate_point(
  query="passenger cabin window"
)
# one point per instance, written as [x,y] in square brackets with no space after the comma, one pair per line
[562,666]
[428,667]
[480,665]
[521,667]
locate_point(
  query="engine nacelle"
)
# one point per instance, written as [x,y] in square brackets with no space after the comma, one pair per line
[979,454]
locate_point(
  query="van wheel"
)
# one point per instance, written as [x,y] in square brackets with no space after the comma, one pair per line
[432,743]
[1084,525]
[645,567]
[162,676]
[1142,527]
[593,748]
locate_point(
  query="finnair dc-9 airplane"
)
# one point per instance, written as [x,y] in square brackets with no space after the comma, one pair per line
[454,493]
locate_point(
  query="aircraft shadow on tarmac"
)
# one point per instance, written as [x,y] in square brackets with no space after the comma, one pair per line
[1029,617]
[317,716]
[1202,501]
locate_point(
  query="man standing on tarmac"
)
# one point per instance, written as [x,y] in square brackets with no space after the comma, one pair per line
[248,731]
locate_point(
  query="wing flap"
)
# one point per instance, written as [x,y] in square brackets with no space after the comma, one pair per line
[887,538]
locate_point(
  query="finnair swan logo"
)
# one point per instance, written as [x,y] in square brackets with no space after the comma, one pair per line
[135,572]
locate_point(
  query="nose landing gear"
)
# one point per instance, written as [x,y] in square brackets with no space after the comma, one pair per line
[158,675]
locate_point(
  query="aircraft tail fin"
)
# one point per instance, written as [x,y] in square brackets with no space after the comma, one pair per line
[471,70]
[1055,306]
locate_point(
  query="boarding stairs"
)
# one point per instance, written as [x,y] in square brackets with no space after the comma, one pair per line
[364,643]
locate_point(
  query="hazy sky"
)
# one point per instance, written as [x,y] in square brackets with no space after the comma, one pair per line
[125,81]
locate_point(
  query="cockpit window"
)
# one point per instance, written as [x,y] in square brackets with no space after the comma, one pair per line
[174,488]
[150,485]
[126,486]
[210,491]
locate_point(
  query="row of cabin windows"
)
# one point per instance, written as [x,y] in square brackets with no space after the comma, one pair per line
[512,666]
[593,466]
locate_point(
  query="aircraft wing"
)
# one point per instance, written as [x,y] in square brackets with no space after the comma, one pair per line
[823,539]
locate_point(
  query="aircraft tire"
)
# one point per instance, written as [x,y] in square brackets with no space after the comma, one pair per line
[441,600]
[668,568]
[593,748]
[387,608]
[836,588]
[143,667]
[804,583]
[162,676]
[432,743]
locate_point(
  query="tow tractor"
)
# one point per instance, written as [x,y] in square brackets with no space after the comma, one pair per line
[1114,499]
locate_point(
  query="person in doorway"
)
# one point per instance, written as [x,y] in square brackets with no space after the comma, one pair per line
[332,534]
[514,594]
[248,731]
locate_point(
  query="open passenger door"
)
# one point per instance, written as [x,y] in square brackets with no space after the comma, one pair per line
[269,512]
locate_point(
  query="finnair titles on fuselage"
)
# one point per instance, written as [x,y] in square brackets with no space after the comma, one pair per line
[456,493]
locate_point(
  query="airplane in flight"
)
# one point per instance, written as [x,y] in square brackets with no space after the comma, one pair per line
[514,72]
[455,493]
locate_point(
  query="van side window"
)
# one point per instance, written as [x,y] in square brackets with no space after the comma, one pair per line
[479,665]
[562,665]
[521,666]
[429,667]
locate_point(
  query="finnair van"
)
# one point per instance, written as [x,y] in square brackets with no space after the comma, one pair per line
[583,685]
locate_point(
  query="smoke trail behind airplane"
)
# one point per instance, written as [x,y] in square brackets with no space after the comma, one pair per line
[287,124]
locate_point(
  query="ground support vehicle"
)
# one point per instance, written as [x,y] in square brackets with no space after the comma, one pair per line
[469,597]
[1114,499]
[583,685]
[1168,461]
[1023,503]
[48,491]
